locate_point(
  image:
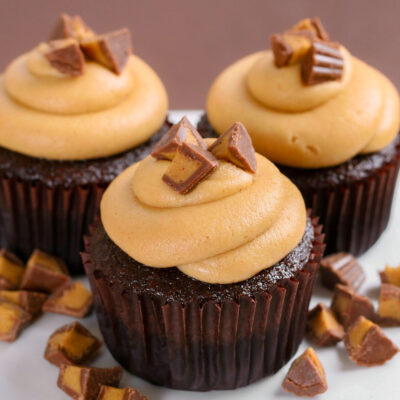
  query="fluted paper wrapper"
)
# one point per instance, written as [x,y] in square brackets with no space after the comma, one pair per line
[34,216]
[206,346]
[355,214]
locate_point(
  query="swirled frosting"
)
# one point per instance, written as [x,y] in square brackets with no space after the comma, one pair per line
[306,126]
[49,115]
[233,225]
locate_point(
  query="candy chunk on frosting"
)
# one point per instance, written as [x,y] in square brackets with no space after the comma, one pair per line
[98,114]
[306,126]
[233,225]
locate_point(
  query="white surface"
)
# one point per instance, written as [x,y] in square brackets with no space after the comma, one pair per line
[24,374]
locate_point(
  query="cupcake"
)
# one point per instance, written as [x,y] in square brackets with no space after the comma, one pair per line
[328,120]
[74,113]
[202,263]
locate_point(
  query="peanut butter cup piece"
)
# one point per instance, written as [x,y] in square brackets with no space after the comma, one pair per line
[391,275]
[235,145]
[349,305]
[31,302]
[367,344]
[11,270]
[313,25]
[389,305]
[111,393]
[72,299]
[323,62]
[83,383]
[71,27]
[189,167]
[179,133]
[322,326]
[306,376]
[341,268]
[110,49]
[13,319]
[290,47]
[65,56]
[71,344]
[44,273]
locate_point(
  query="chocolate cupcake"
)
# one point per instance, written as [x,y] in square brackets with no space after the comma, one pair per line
[329,121]
[74,113]
[202,268]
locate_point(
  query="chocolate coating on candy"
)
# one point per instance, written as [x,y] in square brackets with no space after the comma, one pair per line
[71,344]
[110,49]
[44,273]
[367,345]
[341,268]
[322,326]
[313,26]
[31,302]
[179,133]
[306,376]
[11,270]
[71,27]
[13,319]
[111,393]
[72,299]
[66,57]
[323,63]
[235,145]
[84,383]
[389,305]
[189,167]
[349,305]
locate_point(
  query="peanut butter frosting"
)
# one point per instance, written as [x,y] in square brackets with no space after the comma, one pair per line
[46,114]
[230,227]
[306,126]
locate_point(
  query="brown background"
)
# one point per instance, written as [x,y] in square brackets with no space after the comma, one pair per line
[188,42]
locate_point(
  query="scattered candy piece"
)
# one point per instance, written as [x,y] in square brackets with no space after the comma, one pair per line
[349,305]
[111,393]
[323,62]
[341,268]
[83,383]
[44,273]
[189,167]
[71,27]
[235,145]
[389,305]
[13,319]
[367,345]
[71,344]
[306,376]
[313,25]
[72,299]
[322,326]
[31,302]
[391,275]
[11,270]
[181,132]
[65,56]
[110,49]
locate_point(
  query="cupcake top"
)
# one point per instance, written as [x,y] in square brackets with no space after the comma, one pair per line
[79,96]
[308,102]
[214,209]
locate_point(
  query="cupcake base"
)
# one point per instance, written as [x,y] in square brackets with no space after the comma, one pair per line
[353,199]
[181,333]
[49,205]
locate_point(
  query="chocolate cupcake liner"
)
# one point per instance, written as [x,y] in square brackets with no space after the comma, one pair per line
[355,214]
[54,220]
[213,345]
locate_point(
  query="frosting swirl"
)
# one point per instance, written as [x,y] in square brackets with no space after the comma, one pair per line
[233,225]
[307,127]
[49,115]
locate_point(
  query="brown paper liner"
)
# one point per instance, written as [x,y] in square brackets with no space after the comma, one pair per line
[211,345]
[355,214]
[50,219]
